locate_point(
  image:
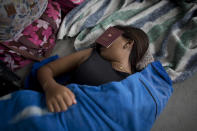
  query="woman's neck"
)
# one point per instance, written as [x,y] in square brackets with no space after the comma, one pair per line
[123,67]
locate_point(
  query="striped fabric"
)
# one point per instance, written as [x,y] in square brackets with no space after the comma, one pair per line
[77,1]
[171,27]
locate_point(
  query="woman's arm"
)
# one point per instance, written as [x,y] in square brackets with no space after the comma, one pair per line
[58,97]
[65,64]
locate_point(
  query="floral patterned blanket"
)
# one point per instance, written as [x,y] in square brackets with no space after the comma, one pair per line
[35,42]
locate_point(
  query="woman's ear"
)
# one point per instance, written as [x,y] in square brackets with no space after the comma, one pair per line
[129,44]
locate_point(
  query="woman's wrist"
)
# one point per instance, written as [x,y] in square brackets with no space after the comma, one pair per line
[48,84]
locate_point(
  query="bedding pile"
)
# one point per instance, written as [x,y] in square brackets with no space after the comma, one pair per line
[170,25]
[16,15]
[36,41]
[131,104]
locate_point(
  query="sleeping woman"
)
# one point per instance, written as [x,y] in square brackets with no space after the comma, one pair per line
[93,66]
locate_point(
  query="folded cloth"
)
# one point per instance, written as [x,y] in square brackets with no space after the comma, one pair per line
[35,42]
[131,104]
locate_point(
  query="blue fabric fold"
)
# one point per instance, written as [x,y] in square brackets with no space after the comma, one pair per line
[132,104]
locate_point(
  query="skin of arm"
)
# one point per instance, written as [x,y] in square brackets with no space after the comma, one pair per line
[59,98]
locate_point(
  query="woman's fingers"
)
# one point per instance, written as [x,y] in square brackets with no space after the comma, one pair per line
[56,106]
[67,99]
[50,107]
[60,100]
[71,94]
[62,103]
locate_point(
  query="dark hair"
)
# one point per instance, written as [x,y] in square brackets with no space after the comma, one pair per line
[140,46]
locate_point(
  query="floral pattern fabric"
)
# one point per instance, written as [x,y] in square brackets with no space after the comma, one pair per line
[15,15]
[35,42]
[68,5]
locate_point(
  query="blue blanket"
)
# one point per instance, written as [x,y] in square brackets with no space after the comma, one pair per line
[132,104]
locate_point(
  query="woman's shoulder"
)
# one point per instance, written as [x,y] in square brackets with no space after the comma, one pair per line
[85,54]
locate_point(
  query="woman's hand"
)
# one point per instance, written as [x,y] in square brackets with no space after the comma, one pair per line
[59,97]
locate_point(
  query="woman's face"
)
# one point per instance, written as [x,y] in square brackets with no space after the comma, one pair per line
[116,51]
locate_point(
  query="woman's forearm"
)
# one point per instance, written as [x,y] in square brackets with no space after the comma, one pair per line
[45,77]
